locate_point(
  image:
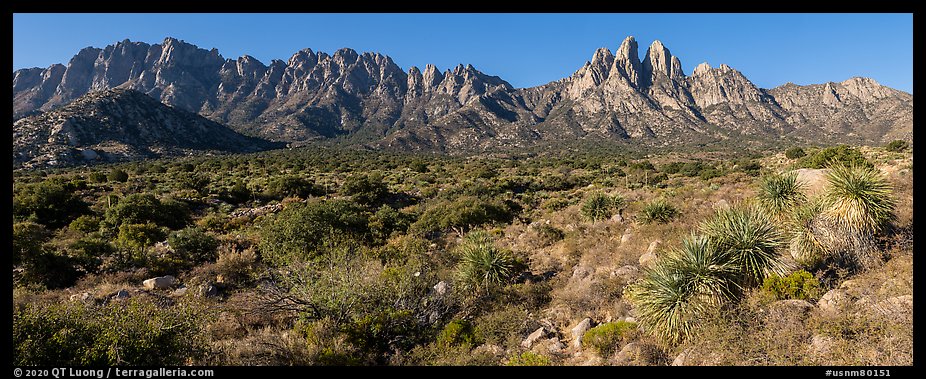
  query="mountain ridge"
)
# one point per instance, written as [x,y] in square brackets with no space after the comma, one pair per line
[366,96]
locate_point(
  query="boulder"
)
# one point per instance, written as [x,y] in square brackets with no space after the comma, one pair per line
[720,205]
[533,337]
[820,345]
[627,272]
[628,233]
[681,358]
[579,330]
[617,218]
[789,314]
[83,296]
[833,300]
[895,307]
[179,291]
[208,290]
[121,295]
[441,288]
[160,283]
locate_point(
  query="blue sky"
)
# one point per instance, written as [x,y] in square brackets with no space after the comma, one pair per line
[524,49]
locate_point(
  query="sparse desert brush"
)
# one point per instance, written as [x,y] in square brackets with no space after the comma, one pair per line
[606,338]
[600,206]
[657,211]
[749,236]
[529,358]
[677,289]
[780,192]
[236,265]
[482,265]
[800,285]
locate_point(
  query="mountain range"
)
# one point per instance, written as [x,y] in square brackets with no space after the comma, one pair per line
[370,100]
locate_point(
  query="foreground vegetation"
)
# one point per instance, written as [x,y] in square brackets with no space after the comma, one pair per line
[339,257]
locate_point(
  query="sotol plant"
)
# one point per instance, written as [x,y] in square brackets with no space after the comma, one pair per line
[803,230]
[780,192]
[599,206]
[673,293]
[858,198]
[657,211]
[748,235]
[482,265]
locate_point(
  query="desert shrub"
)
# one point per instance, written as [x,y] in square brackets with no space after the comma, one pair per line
[418,165]
[237,194]
[52,203]
[795,152]
[236,265]
[139,236]
[549,234]
[388,221]
[87,253]
[290,185]
[482,266]
[750,238]
[779,193]
[144,208]
[85,224]
[897,146]
[749,167]
[195,182]
[657,211]
[605,338]
[136,333]
[554,204]
[193,245]
[296,232]
[672,294]
[457,333]
[118,175]
[710,173]
[465,213]
[365,189]
[503,327]
[842,154]
[798,285]
[97,177]
[600,206]
[529,358]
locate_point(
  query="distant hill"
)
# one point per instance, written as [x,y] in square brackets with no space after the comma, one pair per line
[117,125]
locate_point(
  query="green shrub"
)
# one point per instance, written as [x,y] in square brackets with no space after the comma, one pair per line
[97,177]
[800,285]
[465,213]
[388,221]
[193,245]
[365,189]
[195,182]
[296,232]
[795,152]
[238,266]
[139,236]
[52,203]
[600,206]
[605,338]
[503,327]
[135,333]
[549,234]
[482,266]
[85,224]
[118,175]
[237,194]
[710,173]
[39,263]
[529,358]
[28,238]
[897,146]
[657,211]
[289,185]
[144,208]
[779,193]
[842,154]
[457,333]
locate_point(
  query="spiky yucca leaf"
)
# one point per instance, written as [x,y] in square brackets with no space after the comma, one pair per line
[750,237]
[673,293]
[858,198]
[658,210]
[482,265]
[599,206]
[780,192]
[804,233]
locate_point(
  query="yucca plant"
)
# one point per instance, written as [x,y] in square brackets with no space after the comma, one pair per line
[599,206]
[858,198]
[780,192]
[749,236]
[806,242]
[482,265]
[658,210]
[672,294]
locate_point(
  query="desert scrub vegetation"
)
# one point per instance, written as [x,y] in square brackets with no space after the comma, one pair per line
[331,256]
[657,211]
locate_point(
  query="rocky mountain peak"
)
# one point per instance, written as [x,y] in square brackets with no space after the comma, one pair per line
[627,61]
[659,60]
[701,69]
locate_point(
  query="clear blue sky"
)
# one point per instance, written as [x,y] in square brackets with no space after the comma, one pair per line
[524,49]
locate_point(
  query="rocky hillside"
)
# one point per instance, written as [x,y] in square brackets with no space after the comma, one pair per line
[116,125]
[367,96]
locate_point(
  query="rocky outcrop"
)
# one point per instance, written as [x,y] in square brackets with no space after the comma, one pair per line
[118,125]
[614,96]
